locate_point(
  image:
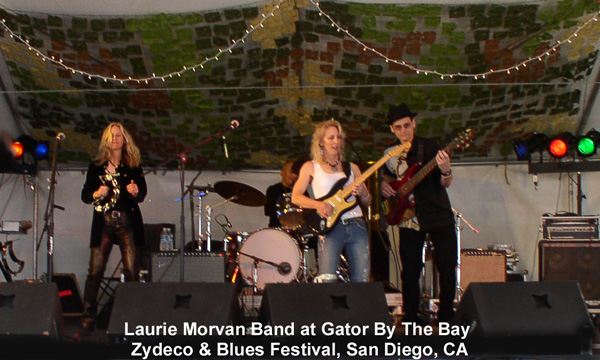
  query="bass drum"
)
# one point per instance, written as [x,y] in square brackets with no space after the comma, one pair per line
[269,256]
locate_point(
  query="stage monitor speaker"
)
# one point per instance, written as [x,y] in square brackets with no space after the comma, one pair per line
[572,260]
[30,311]
[173,304]
[481,266]
[527,317]
[317,303]
[198,266]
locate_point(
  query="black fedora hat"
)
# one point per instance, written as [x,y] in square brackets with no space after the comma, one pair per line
[398,112]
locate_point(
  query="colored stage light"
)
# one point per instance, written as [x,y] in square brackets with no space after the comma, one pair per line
[41,150]
[18,149]
[560,145]
[534,143]
[588,144]
[38,149]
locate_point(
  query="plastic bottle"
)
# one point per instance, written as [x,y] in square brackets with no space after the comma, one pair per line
[170,241]
[164,240]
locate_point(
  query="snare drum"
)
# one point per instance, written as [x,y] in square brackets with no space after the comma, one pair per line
[269,256]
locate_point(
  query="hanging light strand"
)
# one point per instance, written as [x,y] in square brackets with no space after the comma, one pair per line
[264,17]
[476,76]
[59,62]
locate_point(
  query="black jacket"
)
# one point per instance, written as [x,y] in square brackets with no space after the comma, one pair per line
[126,201]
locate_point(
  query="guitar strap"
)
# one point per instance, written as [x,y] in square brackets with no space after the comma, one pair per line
[421,153]
[347,171]
[346,167]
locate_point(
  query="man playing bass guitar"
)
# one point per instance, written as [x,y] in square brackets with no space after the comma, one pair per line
[428,213]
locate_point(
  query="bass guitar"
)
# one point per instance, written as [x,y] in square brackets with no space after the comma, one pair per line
[338,195]
[395,207]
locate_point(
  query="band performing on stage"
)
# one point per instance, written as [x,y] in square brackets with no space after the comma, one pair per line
[320,217]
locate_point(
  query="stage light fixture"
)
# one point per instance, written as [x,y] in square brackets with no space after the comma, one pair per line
[587,145]
[41,150]
[560,145]
[526,147]
[38,149]
[18,149]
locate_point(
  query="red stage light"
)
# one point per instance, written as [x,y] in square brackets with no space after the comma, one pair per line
[18,149]
[558,147]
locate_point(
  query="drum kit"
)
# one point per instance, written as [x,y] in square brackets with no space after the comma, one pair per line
[269,255]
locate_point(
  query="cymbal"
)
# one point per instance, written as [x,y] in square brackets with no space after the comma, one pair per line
[240,193]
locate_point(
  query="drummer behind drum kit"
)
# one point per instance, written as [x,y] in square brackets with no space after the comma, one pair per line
[269,255]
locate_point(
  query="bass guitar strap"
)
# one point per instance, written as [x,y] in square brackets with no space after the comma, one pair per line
[421,153]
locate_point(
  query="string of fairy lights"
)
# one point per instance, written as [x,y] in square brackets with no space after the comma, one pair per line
[507,70]
[59,62]
[265,16]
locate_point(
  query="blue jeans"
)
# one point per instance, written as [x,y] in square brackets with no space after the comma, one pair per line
[354,239]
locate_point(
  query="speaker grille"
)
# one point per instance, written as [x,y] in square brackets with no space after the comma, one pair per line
[198,267]
[572,260]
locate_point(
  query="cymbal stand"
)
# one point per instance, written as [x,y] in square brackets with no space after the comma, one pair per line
[305,249]
[255,274]
[208,221]
[200,235]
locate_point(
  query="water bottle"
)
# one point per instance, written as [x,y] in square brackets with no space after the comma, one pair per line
[170,240]
[164,240]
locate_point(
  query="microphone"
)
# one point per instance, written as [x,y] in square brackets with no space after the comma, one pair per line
[234,124]
[225,146]
[284,268]
[60,136]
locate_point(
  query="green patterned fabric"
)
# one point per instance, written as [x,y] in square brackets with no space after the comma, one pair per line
[298,70]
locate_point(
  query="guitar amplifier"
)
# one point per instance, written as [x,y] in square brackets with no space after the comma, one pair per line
[570,227]
[199,266]
[479,265]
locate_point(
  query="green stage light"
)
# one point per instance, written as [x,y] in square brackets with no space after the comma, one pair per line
[587,145]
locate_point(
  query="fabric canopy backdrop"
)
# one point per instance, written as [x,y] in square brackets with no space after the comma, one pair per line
[279,67]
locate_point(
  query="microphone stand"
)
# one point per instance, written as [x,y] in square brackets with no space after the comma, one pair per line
[181,159]
[49,215]
[459,217]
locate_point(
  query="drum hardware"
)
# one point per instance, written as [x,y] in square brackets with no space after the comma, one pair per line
[306,275]
[202,192]
[283,268]
[288,213]
[343,270]
[280,248]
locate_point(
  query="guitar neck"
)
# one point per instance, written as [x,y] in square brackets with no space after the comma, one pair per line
[365,175]
[409,186]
